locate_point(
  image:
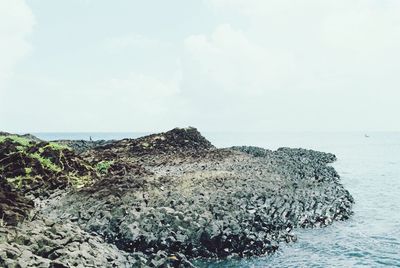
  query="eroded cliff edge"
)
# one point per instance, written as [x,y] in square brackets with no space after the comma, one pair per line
[160,200]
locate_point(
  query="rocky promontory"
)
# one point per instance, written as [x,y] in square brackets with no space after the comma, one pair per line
[158,201]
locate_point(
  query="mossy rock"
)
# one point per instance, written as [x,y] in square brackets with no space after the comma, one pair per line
[30,165]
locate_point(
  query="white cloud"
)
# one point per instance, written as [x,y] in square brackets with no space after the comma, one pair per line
[132,41]
[306,62]
[235,63]
[263,65]
[16,24]
[141,90]
[365,29]
[133,102]
[355,25]
[143,102]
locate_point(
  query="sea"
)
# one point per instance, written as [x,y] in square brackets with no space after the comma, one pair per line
[369,166]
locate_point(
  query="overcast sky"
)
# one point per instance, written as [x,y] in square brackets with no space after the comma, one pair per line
[218,65]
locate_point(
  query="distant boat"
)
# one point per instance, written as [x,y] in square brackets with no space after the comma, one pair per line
[365,135]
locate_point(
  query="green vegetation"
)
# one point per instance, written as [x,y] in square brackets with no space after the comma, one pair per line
[20,148]
[17,181]
[28,171]
[104,166]
[46,163]
[30,150]
[58,147]
[23,142]
[79,181]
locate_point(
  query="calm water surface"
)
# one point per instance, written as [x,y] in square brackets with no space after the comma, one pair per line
[370,170]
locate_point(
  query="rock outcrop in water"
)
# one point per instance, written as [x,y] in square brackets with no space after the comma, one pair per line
[164,199]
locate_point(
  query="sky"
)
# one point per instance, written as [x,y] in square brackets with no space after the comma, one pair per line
[218,65]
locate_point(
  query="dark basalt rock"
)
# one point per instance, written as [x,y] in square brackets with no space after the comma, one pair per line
[178,140]
[44,243]
[128,156]
[47,243]
[29,137]
[80,146]
[38,168]
[14,207]
[167,198]
[207,202]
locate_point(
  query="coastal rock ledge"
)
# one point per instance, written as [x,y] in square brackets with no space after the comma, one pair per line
[162,200]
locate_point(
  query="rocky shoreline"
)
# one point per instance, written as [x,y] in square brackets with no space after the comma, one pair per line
[158,201]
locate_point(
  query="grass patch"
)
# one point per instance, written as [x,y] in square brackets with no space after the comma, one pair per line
[34,150]
[79,181]
[55,146]
[24,142]
[17,181]
[28,171]
[58,147]
[46,163]
[104,166]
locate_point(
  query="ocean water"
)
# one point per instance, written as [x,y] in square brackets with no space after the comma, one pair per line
[369,168]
